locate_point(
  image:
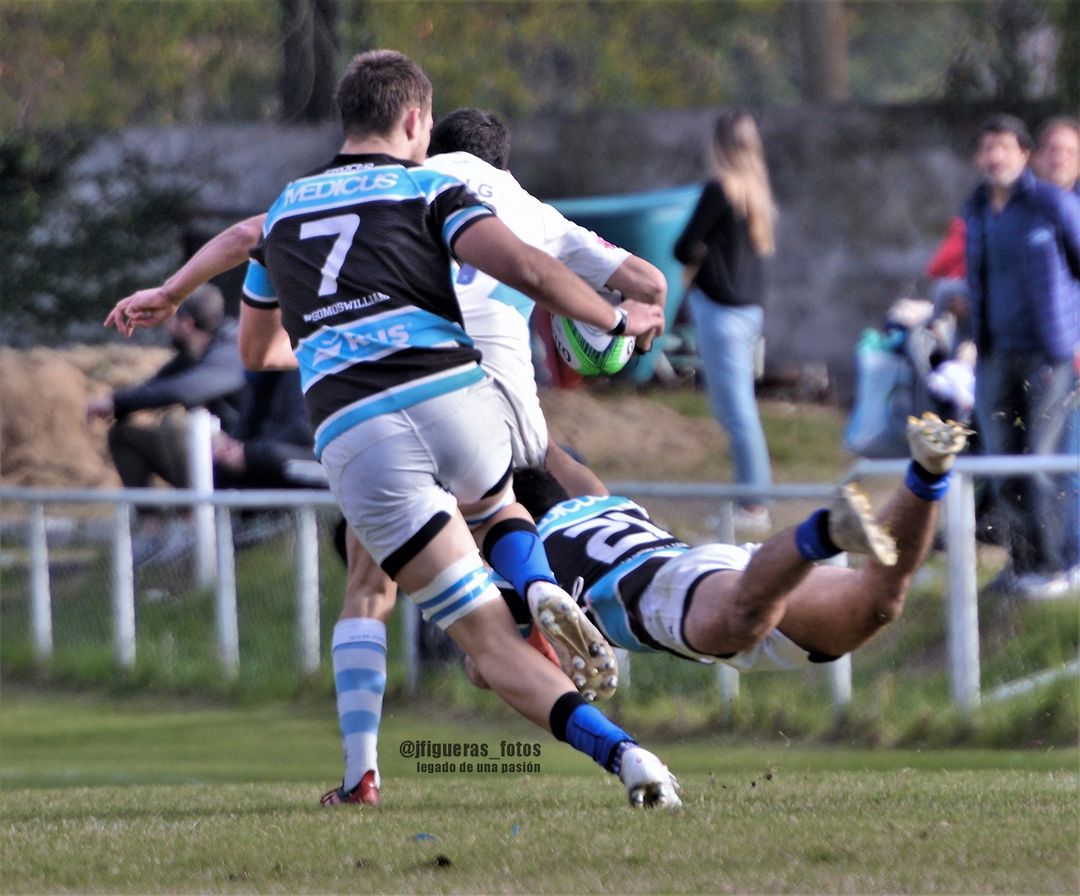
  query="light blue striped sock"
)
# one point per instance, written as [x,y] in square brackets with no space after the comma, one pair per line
[359,654]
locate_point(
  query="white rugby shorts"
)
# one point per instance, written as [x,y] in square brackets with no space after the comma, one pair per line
[393,473]
[663,607]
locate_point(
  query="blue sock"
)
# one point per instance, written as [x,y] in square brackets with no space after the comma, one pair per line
[515,551]
[812,537]
[588,730]
[924,484]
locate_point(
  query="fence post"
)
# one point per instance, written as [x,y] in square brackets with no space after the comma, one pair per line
[201,428]
[40,597]
[725,523]
[839,671]
[727,680]
[410,644]
[727,677]
[307,603]
[622,657]
[963,610]
[123,589]
[228,631]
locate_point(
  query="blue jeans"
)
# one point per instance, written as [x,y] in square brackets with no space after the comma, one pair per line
[726,336]
[1070,486]
[1020,409]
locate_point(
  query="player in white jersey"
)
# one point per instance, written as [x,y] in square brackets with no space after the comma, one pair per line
[497,317]
[756,607]
[502,335]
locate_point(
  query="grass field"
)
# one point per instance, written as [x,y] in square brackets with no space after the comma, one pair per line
[142,796]
[169,778]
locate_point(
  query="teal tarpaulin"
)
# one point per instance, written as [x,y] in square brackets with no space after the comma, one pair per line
[646,224]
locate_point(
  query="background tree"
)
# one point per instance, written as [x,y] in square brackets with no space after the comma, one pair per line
[822,31]
[309,70]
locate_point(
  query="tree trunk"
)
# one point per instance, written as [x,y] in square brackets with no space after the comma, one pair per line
[823,47]
[310,59]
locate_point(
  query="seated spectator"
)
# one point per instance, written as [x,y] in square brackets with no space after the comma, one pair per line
[272,444]
[206,371]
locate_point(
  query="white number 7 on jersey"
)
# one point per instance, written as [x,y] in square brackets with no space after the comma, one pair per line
[344,227]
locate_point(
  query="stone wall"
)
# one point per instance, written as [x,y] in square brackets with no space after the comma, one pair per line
[864,193]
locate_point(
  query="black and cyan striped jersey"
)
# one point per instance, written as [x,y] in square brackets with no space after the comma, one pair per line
[613,545]
[357,256]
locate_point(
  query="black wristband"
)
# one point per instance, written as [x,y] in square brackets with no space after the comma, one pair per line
[620,324]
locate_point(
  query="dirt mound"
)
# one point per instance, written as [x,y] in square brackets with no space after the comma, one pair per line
[46,441]
[631,438]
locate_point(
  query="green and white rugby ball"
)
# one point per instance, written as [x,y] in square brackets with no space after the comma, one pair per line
[588,350]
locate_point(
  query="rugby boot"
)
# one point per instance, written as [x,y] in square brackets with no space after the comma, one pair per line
[365,793]
[649,784]
[852,526]
[934,443]
[585,654]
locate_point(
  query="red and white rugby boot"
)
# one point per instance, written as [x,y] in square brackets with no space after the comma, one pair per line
[365,793]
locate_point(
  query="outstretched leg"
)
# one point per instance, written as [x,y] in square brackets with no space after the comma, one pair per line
[447,579]
[833,610]
[731,610]
[830,611]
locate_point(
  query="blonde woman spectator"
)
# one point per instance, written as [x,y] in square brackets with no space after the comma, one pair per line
[723,250]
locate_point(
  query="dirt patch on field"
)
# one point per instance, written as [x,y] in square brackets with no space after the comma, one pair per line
[46,441]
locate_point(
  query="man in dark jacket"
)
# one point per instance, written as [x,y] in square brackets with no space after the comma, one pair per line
[206,371]
[1023,264]
[272,445]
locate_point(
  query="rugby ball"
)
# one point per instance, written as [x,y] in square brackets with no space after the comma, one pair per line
[588,350]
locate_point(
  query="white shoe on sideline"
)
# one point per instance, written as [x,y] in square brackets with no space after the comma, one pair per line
[584,653]
[752,522]
[1036,586]
[649,784]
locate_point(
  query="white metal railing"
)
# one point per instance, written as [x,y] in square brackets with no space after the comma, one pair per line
[959,520]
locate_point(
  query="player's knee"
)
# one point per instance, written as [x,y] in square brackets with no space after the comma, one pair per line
[475,678]
[887,606]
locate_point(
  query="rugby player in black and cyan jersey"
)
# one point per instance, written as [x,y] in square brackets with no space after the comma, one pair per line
[354,263]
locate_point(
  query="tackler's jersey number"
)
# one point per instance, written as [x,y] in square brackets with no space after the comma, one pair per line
[357,257]
[343,228]
[597,537]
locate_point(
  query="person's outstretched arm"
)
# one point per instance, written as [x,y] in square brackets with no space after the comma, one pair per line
[490,246]
[151,307]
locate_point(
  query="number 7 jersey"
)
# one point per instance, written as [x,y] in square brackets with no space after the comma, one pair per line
[357,257]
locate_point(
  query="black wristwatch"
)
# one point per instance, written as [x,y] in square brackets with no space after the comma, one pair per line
[620,324]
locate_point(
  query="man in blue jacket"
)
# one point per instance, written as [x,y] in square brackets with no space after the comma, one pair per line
[1023,263]
[1057,160]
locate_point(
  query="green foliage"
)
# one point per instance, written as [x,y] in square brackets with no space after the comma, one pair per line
[73,245]
[107,64]
[994,57]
